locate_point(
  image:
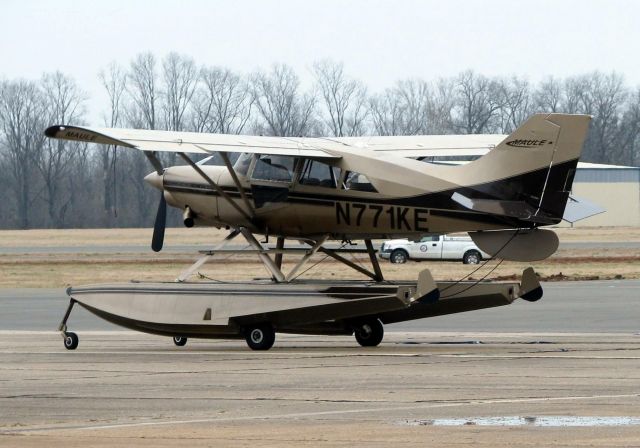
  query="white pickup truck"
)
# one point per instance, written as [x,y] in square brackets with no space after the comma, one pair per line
[433,247]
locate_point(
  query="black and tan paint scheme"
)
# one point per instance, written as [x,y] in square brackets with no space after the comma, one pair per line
[362,188]
[317,189]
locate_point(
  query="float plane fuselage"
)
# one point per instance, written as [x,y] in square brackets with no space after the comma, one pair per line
[357,188]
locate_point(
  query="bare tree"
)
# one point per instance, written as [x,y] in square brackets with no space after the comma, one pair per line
[627,152]
[285,111]
[479,101]
[443,101]
[64,103]
[179,75]
[577,99]
[607,94]
[344,99]
[142,87]
[386,113]
[405,109]
[416,106]
[516,104]
[22,120]
[549,96]
[114,80]
[223,102]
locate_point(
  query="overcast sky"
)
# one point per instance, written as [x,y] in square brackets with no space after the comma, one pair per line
[378,41]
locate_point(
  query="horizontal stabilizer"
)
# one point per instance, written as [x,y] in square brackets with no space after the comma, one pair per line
[513,209]
[579,208]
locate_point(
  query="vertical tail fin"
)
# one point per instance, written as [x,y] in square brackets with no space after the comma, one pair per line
[530,173]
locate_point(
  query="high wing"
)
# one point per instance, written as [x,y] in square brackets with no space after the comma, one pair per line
[190,142]
[202,143]
[426,145]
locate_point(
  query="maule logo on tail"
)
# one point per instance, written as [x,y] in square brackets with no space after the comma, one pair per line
[527,143]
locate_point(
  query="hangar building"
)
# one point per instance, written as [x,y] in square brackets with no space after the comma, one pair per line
[615,188]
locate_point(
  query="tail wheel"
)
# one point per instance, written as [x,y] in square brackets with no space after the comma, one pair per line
[71,340]
[471,257]
[180,341]
[398,256]
[369,333]
[260,337]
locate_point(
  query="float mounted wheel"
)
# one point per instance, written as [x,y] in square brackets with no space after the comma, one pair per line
[260,337]
[70,340]
[369,333]
[179,340]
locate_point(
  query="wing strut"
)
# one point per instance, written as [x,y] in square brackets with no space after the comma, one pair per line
[332,253]
[374,261]
[306,257]
[264,257]
[275,267]
[195,266]
[214,185]
[234,176]
[153,159]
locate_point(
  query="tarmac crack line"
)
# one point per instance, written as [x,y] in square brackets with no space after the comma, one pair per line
[321,413]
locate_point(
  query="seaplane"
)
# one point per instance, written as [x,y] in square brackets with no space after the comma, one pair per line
[316,191]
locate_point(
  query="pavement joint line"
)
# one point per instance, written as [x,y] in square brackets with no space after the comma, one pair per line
[533,355]
[316,414]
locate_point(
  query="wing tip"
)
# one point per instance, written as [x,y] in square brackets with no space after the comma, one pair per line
[52,131]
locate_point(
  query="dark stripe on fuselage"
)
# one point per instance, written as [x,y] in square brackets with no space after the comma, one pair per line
[523,187]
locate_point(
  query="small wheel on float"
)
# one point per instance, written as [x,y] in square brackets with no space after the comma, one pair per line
[179,340]
[369,333]
[260,337]
[70,340]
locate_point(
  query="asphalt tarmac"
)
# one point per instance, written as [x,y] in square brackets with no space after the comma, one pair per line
[560,372]
[416,389]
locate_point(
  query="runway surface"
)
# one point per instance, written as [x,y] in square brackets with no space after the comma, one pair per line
[579,307]
[564,371]
[128,389]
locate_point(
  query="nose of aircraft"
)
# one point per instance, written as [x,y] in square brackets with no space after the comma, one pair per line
[154,179]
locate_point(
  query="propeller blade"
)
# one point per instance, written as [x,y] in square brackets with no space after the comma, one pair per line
[159,225]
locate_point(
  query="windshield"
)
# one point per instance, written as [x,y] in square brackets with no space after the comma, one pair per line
[241,166]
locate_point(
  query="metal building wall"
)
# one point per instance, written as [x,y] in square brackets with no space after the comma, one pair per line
[615,189]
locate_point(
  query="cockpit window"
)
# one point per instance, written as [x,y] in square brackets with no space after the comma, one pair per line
[273,168]
[358,182]
[319,174]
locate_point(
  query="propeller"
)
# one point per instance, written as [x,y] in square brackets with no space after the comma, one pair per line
[159,225]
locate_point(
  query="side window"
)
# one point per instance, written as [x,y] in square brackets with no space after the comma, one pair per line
[358,182]
[319,174]
[273,168]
